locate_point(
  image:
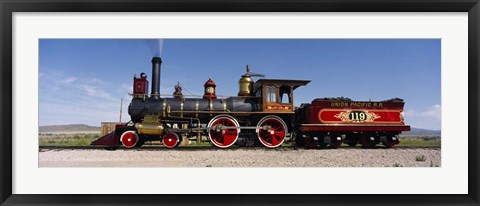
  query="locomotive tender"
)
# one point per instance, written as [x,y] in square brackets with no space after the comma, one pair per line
[263,113]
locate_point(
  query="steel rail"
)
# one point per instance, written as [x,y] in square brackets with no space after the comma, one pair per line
[160,147]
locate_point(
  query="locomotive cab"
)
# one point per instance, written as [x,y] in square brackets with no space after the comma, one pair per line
[277,94]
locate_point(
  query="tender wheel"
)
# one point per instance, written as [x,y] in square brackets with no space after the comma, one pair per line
[390,143]
[300,141]
[170,140]
[352,144]
[367,142]
[310,143]
[221,133]
[336,144]
[352,139]
[322,145]
[129,139]
[272,131]
[336,141]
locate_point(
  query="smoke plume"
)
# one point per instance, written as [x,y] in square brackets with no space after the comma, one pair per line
[155,46]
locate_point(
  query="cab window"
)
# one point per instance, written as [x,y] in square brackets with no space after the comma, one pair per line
[285,97]
[258,93]
[271,94]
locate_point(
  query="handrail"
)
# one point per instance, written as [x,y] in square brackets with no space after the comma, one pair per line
[190,95]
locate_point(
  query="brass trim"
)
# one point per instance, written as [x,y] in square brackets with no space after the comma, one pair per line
[187,95]
[229,112]
[224,104]
[164,105]
[181,109]
[344,116]
[196,108]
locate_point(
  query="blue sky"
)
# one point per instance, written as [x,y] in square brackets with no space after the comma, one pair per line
[83,80]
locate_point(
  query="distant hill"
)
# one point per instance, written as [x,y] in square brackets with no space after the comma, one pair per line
[423,131]
[68,128]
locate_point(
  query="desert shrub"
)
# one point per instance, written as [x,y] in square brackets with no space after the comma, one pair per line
[420,158]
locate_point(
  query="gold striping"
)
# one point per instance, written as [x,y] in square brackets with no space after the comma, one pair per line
[230,112]
[181,109]
[164,105]
[196,108]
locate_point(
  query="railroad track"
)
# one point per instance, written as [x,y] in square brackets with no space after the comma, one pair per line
[41,148]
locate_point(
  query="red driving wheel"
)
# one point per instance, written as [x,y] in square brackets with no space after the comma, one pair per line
[223,131]
[271,131]
[129,139]
[170,140]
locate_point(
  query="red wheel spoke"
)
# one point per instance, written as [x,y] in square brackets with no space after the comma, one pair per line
[218,137]
[229,138]
[280,134]
[274,140]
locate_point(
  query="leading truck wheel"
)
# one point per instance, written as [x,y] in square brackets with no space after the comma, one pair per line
[223,131]
[271,131]
[129,139]
[170,140]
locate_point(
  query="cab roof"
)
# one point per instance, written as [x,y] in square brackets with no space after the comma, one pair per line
[279,82]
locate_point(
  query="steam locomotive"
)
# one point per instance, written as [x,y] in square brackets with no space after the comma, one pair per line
[263,113]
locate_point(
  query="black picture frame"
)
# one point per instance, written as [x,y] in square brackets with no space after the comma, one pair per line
[7,7]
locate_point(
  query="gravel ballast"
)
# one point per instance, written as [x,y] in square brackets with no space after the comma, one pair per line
[243,157]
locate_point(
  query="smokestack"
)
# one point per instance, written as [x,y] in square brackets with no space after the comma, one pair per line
[156,61]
